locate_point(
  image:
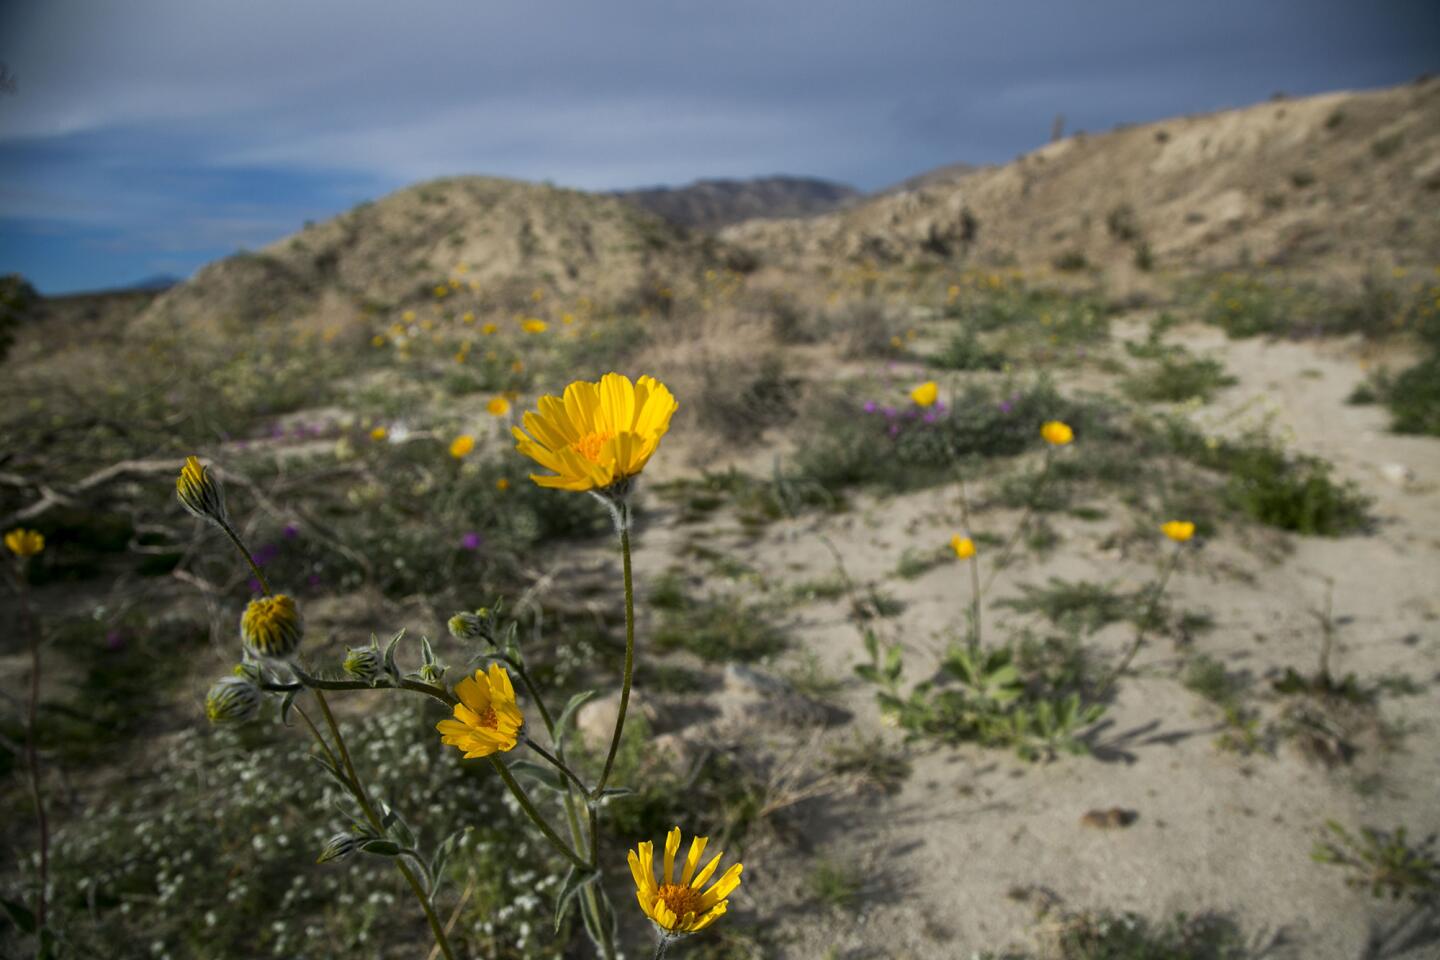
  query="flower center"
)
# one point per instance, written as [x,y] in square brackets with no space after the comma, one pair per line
[680,899]
[488,719]
[590,445]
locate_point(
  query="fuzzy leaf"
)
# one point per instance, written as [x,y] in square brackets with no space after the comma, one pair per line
[545,776]
[381,847]
[390,667]
[575,881]
[562,726]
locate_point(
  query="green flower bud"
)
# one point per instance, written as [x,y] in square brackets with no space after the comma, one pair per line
[339,847]
[200,493]
[271,627]
[232,700]
[470,626]
[363,663]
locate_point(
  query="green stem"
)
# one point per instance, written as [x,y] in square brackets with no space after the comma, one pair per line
[557,763]
[535,697]
[526,805]
[975,636]
[1144,626]
[660,948]
[32,753]
[1035,493]
[240,545]
[358,790]
[317,683]
[624,526]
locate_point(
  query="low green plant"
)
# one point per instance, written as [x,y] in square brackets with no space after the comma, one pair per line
[1385,863]
[964,351]
[721,628]
[835,883]
[1176,378]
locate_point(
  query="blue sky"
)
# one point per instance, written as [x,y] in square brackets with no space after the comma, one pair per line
[152,136]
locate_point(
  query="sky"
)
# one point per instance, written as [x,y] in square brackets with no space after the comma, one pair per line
[152,136]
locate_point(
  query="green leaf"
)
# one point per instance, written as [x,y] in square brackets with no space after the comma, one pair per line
[893,663]
[390,667]
[335,774]
[442,857]
[381,847]
[872,645]
[608,794]
[287,702]
[575,881]
[562,726]
[867,672]
[545,776]
[19,914]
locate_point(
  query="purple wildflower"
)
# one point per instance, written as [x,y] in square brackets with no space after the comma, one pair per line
[471,541]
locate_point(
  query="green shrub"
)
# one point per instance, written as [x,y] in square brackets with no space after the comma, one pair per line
[964,351]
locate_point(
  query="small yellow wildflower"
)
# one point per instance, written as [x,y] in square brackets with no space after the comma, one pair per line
[489,329]
[1178,530]
[537,295]
[599,434]
[199,493]
[461,446]
[926,394]
[679,905]
[25,543]
[441,290]
[896,342]
[964,547]
[408,316]
[1056,433]
[271,626]
[567,318]
[467,317]
[378,340]
[518,366]
[534,325]
[502,484]
[487,718]
[379,433]
[498,406]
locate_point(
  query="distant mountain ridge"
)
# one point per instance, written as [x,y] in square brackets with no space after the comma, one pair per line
[712,204]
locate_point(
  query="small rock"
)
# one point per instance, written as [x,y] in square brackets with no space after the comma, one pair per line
[1397,473]
[1108,819]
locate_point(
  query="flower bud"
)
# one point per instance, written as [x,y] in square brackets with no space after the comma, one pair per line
[339,847]
[232,700]
[271,627]
[363,663]
[470,626]
[200,493]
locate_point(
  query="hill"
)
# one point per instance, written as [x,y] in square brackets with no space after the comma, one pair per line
[1341,179]
[506,236]
[712,204]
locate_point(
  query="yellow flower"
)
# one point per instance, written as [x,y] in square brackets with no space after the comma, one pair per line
[378,340]
[199,493]
[518,366]
[537,294]
[1056,433]
[534,325]
[1178,530]
[488,329]
[441,290]
[598,434]
[677,906]
[487,719]
[25,543]
[567,318]
[502,484]
[408,316]
[964,547]
[271,626]
[379,433]
[467,317]
[498,406]
[461,446]
[926,394]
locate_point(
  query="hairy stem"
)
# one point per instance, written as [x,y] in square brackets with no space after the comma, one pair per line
[245,552]
[32,753]
[624,526]
[535,816]
[358,790]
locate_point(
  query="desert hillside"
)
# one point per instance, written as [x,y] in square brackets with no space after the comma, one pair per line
[1346,178]
[1039,564]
